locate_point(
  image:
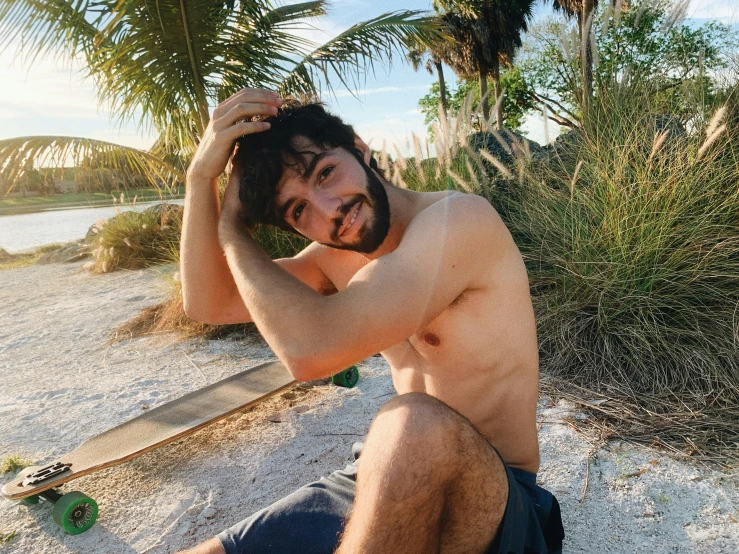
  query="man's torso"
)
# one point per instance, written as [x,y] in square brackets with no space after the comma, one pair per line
[480,355]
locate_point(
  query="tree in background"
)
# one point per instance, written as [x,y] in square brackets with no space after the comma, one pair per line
[433,54]
[165,64]
[487,32]
[646,46]
[584,10]
[514,104]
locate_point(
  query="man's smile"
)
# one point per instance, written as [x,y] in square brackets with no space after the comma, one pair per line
[350,219]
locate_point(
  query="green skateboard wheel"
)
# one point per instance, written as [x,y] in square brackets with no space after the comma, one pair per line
[31,499]
[75,512]
[347,378]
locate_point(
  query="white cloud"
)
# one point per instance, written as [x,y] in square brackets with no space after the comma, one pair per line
[344,93]
[726,11]
[391,131]
[55,98]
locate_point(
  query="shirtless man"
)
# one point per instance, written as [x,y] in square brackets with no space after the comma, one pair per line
[433,281]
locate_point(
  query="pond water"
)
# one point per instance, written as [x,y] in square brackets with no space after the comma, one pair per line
[25,231]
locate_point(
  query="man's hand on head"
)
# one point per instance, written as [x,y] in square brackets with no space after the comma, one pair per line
[231,120]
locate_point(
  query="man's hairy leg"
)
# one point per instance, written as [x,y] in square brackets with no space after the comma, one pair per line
[211,546]
[427,482]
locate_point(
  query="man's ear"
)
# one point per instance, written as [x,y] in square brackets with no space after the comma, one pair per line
[363,148]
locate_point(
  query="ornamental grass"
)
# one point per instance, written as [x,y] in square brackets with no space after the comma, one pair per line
[134,240]
[629,229]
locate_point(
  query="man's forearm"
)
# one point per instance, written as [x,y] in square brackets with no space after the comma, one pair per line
[206,278]
[290,314]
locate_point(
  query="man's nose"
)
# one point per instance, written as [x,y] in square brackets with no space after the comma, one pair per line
[327,205]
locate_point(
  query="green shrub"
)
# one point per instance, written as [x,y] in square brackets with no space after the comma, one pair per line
[13,463]
[634,262]
[133,240]
[278,243]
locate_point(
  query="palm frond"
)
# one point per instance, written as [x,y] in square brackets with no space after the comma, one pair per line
[355,51]
[294,12]
[47,27]
[21,154]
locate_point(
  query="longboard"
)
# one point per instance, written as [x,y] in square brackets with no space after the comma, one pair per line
[75,512]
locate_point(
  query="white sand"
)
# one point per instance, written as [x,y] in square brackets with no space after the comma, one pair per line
[62,383]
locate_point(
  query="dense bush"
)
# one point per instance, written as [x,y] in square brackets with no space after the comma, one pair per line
[133,240]
[631,237]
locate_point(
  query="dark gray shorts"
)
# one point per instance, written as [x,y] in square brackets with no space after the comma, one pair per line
[311,520]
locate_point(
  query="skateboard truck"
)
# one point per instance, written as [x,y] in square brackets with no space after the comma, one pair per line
[347,378]
[45,473]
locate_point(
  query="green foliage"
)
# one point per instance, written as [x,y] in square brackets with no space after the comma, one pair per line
[24,259]
[12,463]
[646,46]
[516,101]
[133,240]
[20,204]
[278,243]
[632,246]
[7,537]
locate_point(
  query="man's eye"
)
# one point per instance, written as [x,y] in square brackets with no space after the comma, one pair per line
[326,171]
[297,211]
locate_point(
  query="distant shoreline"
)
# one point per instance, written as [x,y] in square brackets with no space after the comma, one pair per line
[56,206]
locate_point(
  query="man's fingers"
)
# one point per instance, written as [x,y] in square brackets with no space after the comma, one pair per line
[248,95]
[246,128]
[242,111]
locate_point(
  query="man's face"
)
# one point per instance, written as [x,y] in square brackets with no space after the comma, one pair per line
[340,202]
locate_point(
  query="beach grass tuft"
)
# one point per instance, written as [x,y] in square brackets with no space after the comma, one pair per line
[630,232]
[13,463]
[134,240]
[25,259]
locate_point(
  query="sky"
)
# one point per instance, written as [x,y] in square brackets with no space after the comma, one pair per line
[51,98]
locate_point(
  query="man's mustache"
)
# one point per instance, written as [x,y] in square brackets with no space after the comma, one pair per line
[344,211]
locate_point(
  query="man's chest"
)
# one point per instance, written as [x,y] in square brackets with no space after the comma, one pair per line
[459,331]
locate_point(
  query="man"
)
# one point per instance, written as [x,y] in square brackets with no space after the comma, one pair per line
[433,281]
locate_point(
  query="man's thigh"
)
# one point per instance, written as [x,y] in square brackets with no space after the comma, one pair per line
[420,450]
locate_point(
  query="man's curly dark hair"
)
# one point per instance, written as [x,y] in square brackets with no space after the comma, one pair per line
[264,156]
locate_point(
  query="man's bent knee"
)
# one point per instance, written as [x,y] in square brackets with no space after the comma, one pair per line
[420,423]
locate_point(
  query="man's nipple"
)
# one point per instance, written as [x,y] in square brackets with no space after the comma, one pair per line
[431,339]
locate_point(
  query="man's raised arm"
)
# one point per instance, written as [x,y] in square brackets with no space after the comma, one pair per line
[208,289]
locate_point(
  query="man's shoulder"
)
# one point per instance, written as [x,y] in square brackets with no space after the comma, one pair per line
[458,211]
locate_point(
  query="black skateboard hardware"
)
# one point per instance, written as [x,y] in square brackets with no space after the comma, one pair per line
[45,473]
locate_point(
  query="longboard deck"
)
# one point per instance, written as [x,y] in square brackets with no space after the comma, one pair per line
[162,425]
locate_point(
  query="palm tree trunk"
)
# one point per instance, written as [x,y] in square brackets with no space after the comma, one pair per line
[483,70]
[442,87]
[586,60]
[496,94]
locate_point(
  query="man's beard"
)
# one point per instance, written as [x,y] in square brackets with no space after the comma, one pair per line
[372,233]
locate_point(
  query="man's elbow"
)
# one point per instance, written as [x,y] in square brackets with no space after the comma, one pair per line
[200,313]
[306,367]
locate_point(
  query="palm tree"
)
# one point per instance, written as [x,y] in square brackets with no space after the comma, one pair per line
[584,11]
[166,63]
[433,54]
[416,55]
[488,32]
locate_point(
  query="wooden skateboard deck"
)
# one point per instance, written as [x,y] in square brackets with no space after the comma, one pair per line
[157,427]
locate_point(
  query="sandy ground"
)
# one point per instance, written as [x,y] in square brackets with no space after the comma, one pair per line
[62,383]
